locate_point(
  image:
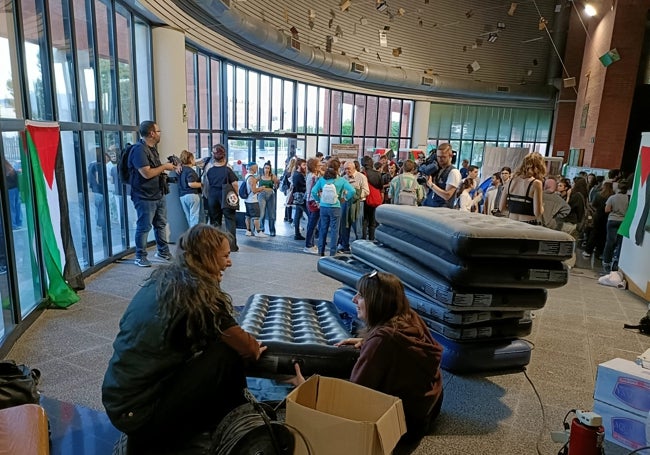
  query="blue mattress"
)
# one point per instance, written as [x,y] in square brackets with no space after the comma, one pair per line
[297,330]
[464,357]
[443,300]
[473,235]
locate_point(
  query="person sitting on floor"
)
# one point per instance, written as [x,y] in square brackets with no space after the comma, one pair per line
[398,354]
[178,362]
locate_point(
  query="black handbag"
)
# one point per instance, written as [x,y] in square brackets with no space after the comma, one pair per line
[18,384]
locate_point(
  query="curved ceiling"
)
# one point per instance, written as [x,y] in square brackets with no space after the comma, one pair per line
[482,49]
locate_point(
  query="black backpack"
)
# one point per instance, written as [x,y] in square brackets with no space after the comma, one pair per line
[123,164]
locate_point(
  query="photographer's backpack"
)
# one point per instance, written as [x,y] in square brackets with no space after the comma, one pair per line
[123,164]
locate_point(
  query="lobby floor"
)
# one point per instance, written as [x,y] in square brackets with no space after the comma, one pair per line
[495,413]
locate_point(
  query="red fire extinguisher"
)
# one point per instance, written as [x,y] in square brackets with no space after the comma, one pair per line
[586,435]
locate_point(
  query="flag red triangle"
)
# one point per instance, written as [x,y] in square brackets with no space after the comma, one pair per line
[645,164]
[46,141]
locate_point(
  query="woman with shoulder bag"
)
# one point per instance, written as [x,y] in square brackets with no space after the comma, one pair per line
[313,208]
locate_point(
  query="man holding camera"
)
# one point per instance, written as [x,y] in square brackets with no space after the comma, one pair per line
[148,189]
[442,183]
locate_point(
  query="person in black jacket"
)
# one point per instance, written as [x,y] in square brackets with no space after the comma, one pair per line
[299,185]
[178,365]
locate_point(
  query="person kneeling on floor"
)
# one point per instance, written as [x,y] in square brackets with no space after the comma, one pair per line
[179,357]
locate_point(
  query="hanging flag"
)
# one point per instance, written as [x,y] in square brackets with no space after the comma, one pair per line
[43,146]
[632,221]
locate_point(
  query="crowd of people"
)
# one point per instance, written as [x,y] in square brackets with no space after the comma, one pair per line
[190,360]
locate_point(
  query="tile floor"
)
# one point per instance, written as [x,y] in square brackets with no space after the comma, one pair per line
[494,413]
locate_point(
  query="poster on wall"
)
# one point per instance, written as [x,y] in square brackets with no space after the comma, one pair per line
[345,151]
[635,252]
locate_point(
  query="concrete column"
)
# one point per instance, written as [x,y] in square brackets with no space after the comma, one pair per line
[169,89]
[169,92]
[421,113]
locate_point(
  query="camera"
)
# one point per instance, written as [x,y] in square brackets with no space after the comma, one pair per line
[428,167]
[176,161]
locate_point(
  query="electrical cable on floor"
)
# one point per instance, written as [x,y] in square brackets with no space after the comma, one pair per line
[541,405]
[638,450]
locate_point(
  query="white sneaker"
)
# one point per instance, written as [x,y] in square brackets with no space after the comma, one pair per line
[261,234]
[249,234]
[586,255]
[312,250]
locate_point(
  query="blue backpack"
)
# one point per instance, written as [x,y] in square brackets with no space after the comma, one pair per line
[243,190]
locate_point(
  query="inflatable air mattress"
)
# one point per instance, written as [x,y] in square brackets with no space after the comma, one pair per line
[467,234]
[497,272]
[297,330]
[465,357]
[461,319]
[443,301]
[495,328]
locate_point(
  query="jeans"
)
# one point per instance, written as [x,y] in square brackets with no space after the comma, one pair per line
[358,224]
[613,242]
[329,221]
[98,199]
[151,213]
[217,213]
[297,217]
[267,201]
[191,204]
[312,221]
[16,209]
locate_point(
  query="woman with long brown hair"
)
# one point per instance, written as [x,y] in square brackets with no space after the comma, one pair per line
[523,192]
[178,362]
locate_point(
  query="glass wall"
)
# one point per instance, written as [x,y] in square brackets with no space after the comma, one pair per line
[85,64]
[469,129]
[259,104]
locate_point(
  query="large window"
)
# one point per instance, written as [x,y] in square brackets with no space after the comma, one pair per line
[258,103]
[469,129]
[77,66]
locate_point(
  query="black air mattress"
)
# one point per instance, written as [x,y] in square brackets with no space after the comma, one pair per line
[497,328]
[297,330]
[550,274]
[465,357]
[498,272]
[441,297]
[467,234]
[343,301]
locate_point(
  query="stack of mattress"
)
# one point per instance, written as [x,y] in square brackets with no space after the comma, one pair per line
[473,278]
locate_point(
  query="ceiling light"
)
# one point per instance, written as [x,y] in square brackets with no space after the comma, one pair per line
[590,10]
[381,6]
[492,37]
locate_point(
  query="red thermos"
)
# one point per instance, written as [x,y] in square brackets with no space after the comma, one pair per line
[585,439]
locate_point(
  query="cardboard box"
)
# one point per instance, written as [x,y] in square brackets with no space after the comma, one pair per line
[337,416]
[625,385]
[621,427]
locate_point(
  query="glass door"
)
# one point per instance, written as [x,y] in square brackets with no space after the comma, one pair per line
[245,149]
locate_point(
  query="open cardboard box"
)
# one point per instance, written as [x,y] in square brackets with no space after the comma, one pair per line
[335,416]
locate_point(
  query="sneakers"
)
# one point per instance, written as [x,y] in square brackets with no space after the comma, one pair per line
[143,262]
[261,234]
[298,237]
[249,234]
[586,255]
[312,250]
[344,251]
[164,257]
[3,269]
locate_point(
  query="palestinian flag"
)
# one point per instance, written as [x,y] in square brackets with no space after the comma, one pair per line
[636,221]
[46,165]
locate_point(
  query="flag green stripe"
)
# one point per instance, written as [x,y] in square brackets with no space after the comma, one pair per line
[59,292]
[626,225]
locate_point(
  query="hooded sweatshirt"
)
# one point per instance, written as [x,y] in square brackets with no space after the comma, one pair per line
[401,358]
